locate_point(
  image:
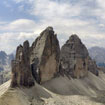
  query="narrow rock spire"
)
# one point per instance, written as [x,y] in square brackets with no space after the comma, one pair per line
[21,71]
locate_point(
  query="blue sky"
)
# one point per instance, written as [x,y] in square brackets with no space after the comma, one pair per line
[25,19]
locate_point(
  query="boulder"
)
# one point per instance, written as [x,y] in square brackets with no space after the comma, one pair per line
[74,59]
[44,57]
[21,71]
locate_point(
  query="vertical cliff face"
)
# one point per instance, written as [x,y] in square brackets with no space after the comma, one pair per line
[74,59]
[21,71]
[45,52]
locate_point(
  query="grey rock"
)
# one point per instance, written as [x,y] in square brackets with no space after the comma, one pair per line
[75,60]
[45,53]
[21,71]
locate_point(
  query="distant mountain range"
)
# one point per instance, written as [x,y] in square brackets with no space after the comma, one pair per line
[98,54]
[5,60]
[5,66]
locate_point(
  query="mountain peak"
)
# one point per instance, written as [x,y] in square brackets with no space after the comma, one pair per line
[73,39]
[50,28]
[75,60]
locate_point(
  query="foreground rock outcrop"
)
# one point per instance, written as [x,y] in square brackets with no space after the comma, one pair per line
[45,53]
[75,60]
[21,71]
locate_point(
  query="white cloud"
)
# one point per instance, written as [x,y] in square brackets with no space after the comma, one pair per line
[29,30]
[7,4]
[27,36]
[102,25]
[9,41]
[19,25]
[67,18]
[99,11]
[17,32]
[51,9]
[2,23]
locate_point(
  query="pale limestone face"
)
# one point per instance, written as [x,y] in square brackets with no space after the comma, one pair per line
[49,69]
